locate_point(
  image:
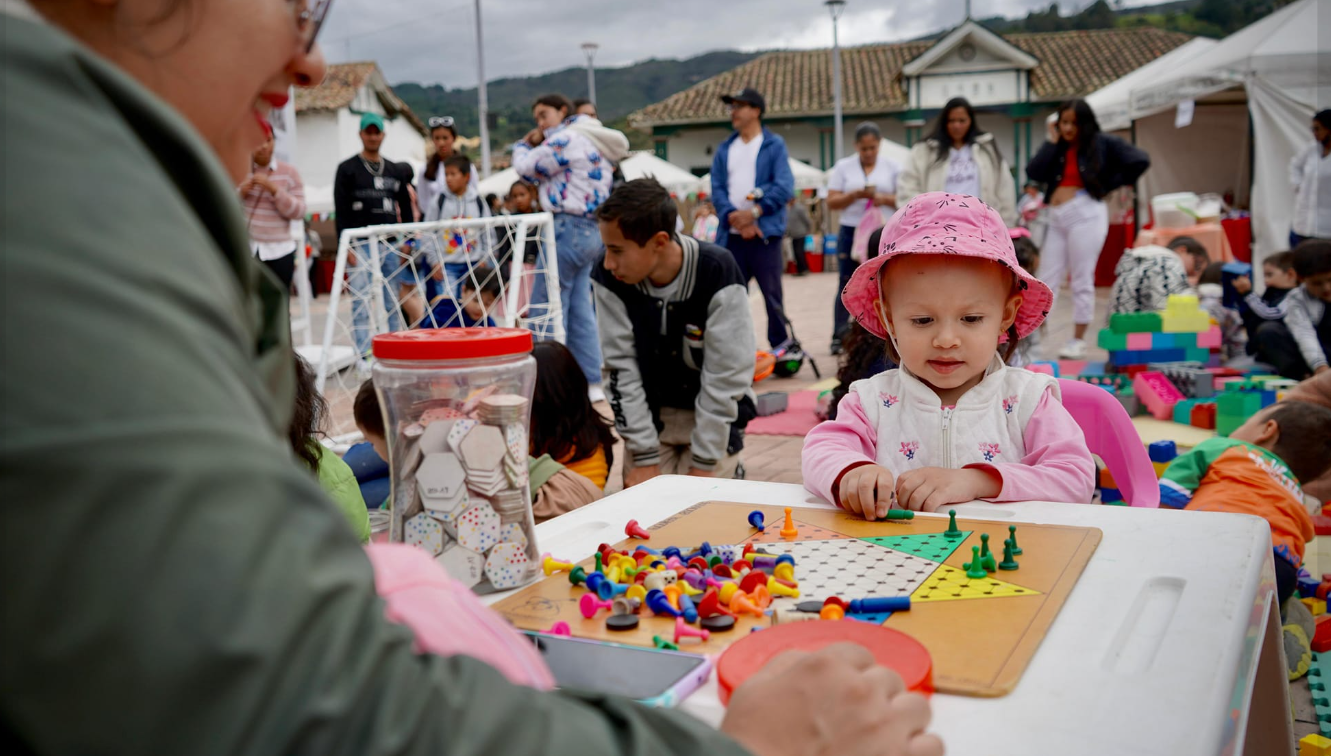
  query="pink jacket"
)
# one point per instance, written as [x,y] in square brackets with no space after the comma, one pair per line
[449,620]
[1056,466]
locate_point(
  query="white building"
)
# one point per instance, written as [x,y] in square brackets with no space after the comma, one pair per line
[1014,82]
[328,126]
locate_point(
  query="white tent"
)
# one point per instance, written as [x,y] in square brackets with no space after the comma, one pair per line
[499,183]
[1276,68]
[644,164]
[806,177]
[1111,102]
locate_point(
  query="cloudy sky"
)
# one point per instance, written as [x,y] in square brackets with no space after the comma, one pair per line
[434,41]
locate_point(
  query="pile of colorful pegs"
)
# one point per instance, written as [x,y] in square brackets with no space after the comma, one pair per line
[709,586]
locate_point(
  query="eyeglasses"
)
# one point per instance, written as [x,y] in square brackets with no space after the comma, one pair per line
[310,18]
[441,122]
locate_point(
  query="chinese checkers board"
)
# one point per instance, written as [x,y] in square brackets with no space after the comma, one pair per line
[981,632]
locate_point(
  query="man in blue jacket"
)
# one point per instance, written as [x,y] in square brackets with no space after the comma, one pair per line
[751,184]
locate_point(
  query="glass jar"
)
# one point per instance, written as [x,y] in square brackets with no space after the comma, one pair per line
[456,405]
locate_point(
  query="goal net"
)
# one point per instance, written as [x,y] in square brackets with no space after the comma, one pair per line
[487,271]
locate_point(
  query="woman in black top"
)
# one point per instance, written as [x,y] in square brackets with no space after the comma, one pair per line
[1078,167]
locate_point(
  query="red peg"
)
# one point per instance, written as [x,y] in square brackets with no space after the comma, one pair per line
[845,607]
[699,563]
[634,530]
[741,604]
[741,565]
[722,570]
[753,580]
[682,630]
[786,583]
[748,549]
[710,606]
[590,605]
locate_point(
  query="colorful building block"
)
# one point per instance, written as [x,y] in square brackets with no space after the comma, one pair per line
[1315,605]
[1111,341]
[1159,468]
[1208,339]
[1315,745]
[1190,378]
[1203,416]
[1129,401]
[1162,451]
[1136,322]
[1110,496]
[1139,341]
[1155,391]
[1106,478]
[1229,272]
[1183,314]
[1044,366]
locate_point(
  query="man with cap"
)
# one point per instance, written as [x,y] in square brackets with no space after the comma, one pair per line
[751,184]
[370,190]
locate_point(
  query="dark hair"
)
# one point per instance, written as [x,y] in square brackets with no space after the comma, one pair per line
[556,101]
[366,410]
[307,415]
[1191,246]
[1281,261]
[1305,437]
[863,355]
[1027,253]
[579,103]
[459,162]
[531,190]
[868,128]
[642,208]
[1087,129]
[564,424]
[432,164]
[1323,117]
[483,278]
[939,131]
[1312,257]
[1213,274]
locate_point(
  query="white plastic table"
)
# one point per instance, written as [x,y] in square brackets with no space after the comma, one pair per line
[1169,644]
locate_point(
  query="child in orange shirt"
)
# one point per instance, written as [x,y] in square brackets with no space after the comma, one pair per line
[1257,471]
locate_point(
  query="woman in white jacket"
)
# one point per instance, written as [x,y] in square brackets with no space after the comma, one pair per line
[961,158]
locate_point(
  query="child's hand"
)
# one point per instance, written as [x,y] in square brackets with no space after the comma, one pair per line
[928,488]
[1242,284]
[866,491]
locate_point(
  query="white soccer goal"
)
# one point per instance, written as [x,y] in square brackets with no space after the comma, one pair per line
[389,278]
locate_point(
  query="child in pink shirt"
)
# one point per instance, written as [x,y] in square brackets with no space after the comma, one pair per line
[954,423]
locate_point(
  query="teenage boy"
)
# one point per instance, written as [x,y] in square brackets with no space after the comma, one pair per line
[1299,345]
[677,339]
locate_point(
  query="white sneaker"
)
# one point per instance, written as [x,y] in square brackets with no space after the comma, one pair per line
[596,393]
[1075,349]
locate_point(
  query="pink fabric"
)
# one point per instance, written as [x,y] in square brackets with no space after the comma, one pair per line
[1057,465]
[797,419]
[938,223]
[449,620]
[270,215]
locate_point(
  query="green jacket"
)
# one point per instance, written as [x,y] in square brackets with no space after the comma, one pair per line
[339,482]
[175,583]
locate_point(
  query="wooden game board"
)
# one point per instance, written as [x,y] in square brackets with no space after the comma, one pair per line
[980,633]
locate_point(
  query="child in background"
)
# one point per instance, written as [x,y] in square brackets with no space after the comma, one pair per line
[1300,344]
[1145,277]
[863,355]
[1256,309]
[1211,296]
[1028,257]
[1192,254]
[478,290]
[564,424]
[954,423]
[1256,471]
[454,250]
[335,477]
[705,223]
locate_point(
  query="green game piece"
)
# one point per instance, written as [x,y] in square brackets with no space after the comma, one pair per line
[975,568]
[1012,536]
[1008,562]
[984,545]
[988,563]
[952,530]
[577,575]
[664,644]
[598,563]
[900,514]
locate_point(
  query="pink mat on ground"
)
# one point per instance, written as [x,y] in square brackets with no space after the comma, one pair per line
[797,420]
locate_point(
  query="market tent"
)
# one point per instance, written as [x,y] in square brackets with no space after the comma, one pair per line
[644,164]
[1274,67]
[499,183]
[1111,102]
[806,177]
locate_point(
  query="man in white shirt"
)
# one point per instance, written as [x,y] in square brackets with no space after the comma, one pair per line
[751,184]
[1310,174]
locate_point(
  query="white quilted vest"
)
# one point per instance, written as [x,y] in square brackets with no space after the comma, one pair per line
[986,425]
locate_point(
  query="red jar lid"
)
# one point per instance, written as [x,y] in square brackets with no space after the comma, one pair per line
[429,344]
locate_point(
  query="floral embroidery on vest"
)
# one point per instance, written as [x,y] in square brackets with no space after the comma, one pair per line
[887,399]
[908,448]
[990,450]
[1010,404]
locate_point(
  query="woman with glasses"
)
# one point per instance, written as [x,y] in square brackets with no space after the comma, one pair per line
[443,134]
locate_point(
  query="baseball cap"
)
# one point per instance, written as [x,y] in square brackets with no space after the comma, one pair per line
[748,96]
[371,119]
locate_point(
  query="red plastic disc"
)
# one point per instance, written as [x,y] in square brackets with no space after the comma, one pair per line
[893,649]
[430,344]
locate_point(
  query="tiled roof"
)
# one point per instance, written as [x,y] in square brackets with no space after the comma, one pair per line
[339,87]
[799,82]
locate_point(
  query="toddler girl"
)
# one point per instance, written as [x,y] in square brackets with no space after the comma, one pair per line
[953,423]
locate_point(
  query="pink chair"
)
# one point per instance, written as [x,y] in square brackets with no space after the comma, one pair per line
[1111,435]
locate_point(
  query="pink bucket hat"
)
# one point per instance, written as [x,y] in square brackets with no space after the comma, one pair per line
[938,223]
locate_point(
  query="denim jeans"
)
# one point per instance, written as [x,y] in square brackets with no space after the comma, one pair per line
[578,247]
[359,282]
[845,266]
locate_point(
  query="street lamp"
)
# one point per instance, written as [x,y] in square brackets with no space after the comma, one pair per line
[482,107]
[589,49]
[836,7]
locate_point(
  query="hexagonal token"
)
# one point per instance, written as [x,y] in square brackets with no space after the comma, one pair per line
[513,532]
[435,437]
[507,565]
[462,564]
[441,476]
[515,436]
[459,431]
[478,528]
[483,449]
[447,507]
[426,532]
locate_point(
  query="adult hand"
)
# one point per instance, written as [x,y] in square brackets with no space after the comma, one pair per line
[245,185]
[926,489]
[883,198]
[700,473]
[739,219]
[834,702]
[438,273]
[534,137]
[635,475]
[1243,284]
[1052,130]
[865,193]
[749,232]
[265,183]
[1321,369]
[866,491]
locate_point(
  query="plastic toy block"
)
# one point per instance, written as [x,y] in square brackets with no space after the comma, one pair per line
[1139,341]
[1136,322]
[1209,339]
[1111,341]
[1319,678]
[772,402]
[1106,478]
[1162,451]
[1228,273]
[1110,495]
[1321,640]
[1129,401]
[1090,369]
[1203,416]
[1167,340]
[1200,355]
[1156,392]
[1146,356]
[1315,605]
[1227,424]
[1183,411]
[1044,366]
[1159,468]
[1183,315]
[1315,745]
[1190,378]
[1242,404]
